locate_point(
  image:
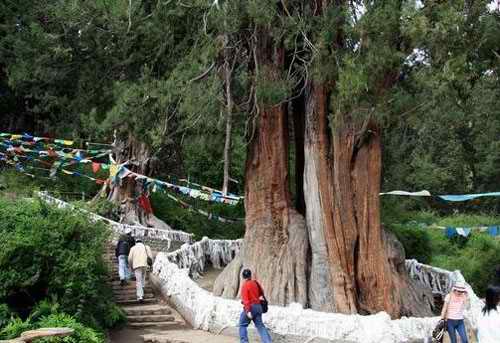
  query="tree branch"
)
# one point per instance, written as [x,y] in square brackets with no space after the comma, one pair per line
[202,75]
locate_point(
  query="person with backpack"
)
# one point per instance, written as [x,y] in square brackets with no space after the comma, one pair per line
[254,305]
[453,312]
[488,323]
[122,250]
[140,259]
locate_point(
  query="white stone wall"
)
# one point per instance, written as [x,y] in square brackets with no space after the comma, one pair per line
[205,311]
[119,228]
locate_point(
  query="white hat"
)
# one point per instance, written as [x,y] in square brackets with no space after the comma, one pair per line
[459,286]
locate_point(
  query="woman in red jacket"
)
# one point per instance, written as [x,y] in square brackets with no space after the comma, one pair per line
[251,297]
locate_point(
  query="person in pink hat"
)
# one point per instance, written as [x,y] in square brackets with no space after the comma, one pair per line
[455,304]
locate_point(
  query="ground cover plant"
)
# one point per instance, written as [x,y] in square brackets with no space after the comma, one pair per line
[52,271]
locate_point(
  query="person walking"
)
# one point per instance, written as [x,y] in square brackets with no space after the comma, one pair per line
[488,324]
[251,297]
[122,250]
[131,239]
[453,312]
[140,259]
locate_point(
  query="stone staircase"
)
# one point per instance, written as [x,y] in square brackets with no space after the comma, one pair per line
[151,314]
[151,321]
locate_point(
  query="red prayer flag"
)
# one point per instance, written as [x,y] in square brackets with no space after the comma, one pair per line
[145,204]
[96,167]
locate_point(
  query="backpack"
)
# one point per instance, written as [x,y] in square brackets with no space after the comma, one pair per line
[438,332]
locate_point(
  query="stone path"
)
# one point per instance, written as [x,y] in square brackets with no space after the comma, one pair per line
[153,321]
[151,317]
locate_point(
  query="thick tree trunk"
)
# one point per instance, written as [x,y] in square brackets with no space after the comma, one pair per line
[353,268]
[318,196]
[276,243]
[365,277]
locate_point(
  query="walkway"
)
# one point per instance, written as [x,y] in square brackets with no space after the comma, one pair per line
[151,317]
[153,321]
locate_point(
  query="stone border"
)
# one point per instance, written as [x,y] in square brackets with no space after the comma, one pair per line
[207,312]
[119,228]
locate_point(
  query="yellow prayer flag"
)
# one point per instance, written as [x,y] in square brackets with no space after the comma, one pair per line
[113,170]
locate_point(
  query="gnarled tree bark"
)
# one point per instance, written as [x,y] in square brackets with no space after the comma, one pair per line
[126,191]
[276,243]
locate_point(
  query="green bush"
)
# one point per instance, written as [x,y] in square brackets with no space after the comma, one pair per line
[475,256]
[52,253]
[14,328]
[476,260]
[465,220]
[416,241]
[5,315]
[82,333]
[102,207]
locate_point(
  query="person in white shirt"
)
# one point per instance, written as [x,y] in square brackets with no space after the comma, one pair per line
[140,259]
[488,325]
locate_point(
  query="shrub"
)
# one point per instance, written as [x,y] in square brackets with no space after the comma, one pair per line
[48,252]
[5,315]
[82,333]
[102,207]
[14,328]
[476,260]
[416,241]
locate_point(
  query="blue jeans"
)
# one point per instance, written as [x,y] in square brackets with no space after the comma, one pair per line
[123,270]
[459,326]
[256,311]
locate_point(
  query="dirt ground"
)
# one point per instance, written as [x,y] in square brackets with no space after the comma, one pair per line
[208,279]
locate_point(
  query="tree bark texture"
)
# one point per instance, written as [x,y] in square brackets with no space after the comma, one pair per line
[368,275]
[125,192]
[318,196]
[276,243]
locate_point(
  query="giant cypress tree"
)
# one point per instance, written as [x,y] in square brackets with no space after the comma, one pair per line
[343,68]
[354,56]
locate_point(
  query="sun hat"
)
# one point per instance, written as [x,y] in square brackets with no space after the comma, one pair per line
[459,287]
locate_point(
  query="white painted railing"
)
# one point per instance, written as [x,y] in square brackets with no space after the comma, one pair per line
[119,228]
[194,257]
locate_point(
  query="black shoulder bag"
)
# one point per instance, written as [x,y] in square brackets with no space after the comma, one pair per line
[263,303]
[150,260]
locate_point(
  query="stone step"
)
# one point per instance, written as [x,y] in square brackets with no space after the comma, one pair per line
[132,297]
[147,310]
[166,325]
[150,318]
[160,339]
[116,278]
[136,302]
[130,283]
[128,291]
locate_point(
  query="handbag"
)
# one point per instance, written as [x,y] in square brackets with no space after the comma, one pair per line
[438,332]
[150,260]
[263,303]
